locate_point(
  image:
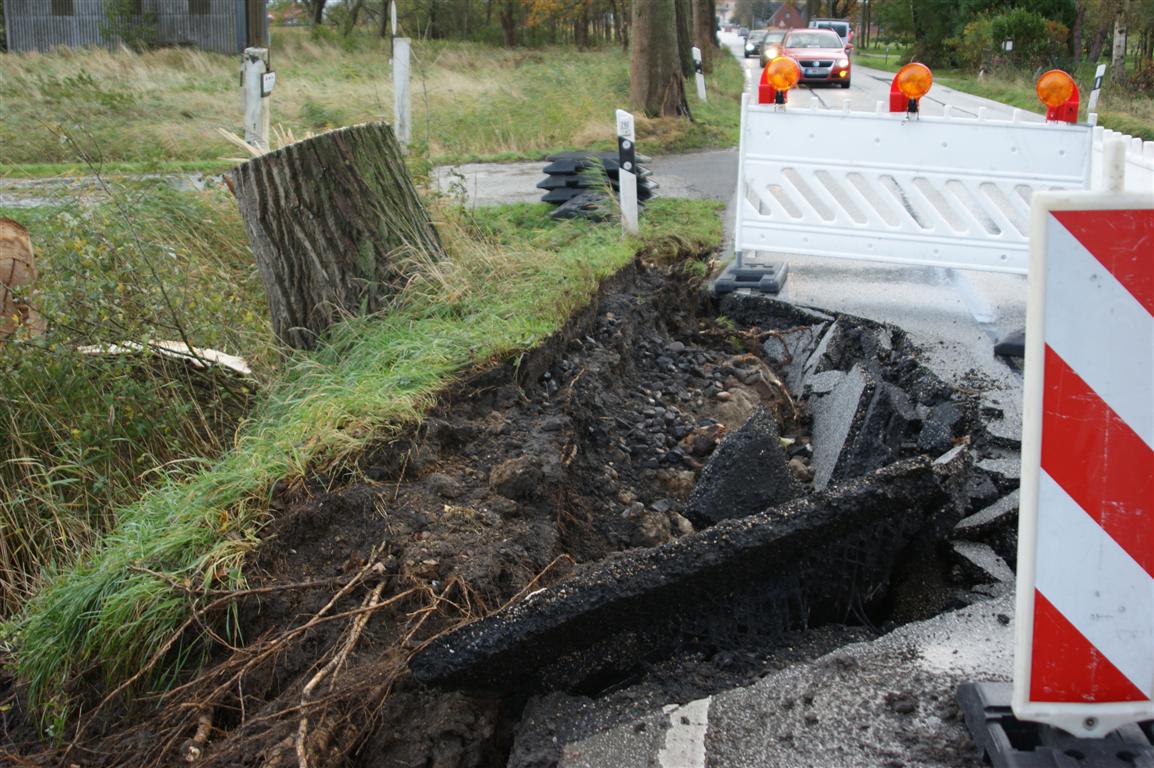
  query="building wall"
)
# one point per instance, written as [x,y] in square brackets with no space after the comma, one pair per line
[788,16]
[213,25]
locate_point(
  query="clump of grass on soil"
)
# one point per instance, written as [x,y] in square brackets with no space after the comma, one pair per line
[513,279]
[82,432]
[133,111]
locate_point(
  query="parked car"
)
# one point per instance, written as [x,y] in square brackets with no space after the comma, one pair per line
[842,27]
[820,54]
[743,32]
[753,43]
[771,45]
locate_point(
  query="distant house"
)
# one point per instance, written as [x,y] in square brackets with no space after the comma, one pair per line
[225,26]
[785,16]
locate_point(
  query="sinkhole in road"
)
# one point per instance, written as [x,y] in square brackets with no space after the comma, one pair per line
[740,485]
[669,497]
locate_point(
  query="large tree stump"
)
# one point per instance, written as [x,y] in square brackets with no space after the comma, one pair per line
[328,219]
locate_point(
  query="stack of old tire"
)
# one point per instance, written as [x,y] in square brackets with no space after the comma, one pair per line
[579,184]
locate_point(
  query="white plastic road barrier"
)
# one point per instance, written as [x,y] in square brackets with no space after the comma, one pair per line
[402,108]
[939,191]
[1085,629]
[627,172]
[1139,167]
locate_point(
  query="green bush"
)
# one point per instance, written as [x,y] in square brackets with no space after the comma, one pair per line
[976,47]
[1037,42]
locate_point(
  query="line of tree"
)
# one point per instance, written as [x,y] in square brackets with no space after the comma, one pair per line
[659,33]
[972,33]
[584,23]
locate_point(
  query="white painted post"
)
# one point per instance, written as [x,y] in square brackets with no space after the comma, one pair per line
[1114,165]
[700,73]
[402,115]
[627,172]
[1099,74]
[256,111]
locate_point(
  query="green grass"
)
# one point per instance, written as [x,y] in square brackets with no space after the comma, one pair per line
[162,110]
[514,278]
[878,58]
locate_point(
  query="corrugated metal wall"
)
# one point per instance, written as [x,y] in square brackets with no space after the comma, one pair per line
[33,25]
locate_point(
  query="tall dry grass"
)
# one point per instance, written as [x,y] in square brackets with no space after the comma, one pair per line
[469,100]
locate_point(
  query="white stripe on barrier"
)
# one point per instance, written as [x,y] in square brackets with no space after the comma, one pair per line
[1095,584]
[1087,289]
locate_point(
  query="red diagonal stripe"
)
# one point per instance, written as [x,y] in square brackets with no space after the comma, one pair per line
[1064,666]
[1122,241]
[1098,460]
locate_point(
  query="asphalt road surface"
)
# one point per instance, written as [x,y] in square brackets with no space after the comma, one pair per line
[869,86]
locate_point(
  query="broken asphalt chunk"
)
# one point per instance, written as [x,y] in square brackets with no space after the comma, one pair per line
[749,472]
[813,560]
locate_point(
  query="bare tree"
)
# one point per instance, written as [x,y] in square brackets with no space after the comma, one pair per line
[656,86]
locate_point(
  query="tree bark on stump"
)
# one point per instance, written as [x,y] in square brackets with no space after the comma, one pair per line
[656,84]
[328,218]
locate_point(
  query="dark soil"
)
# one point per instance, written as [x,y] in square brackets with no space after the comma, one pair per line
[589,445]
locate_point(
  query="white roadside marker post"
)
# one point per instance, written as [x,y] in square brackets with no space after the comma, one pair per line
[1099,75]
[627,172]
[700,73]
[258,82]
[402,115]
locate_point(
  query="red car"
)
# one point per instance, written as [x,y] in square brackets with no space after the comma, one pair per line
[821,55]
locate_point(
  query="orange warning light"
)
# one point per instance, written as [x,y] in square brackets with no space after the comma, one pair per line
[782,73]
[1055,88]
[914,80]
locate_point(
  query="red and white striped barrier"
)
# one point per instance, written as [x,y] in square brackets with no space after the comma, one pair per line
[1085,645]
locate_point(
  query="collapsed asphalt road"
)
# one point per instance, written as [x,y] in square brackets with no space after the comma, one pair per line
[619,667]
[619,663]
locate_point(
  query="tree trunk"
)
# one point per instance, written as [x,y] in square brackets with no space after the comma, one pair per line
[656,84]
[1118,54]
[318,12]
[509,22]
[1076,32]
[329,219]
[354,15]
[704,34]
[685,36]
[621,22]
[1098,44]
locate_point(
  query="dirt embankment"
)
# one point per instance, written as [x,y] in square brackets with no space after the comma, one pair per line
[589,445]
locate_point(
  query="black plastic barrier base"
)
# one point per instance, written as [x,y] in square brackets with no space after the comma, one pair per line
[1007,742]
[766,278]
[1011,345]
